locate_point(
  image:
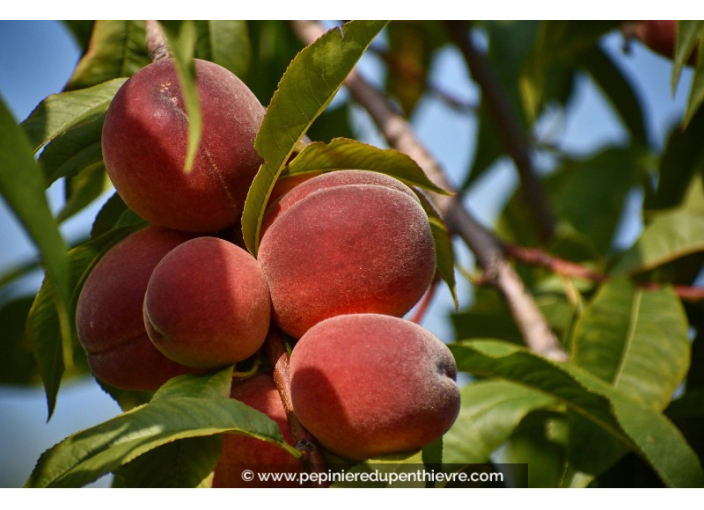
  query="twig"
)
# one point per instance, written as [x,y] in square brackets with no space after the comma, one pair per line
[569,269]
[508,127]
[156,40]
[536,333]
[425,302]
[275,352]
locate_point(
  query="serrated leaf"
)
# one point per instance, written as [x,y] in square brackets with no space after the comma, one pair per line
[76,150]
[108,215]
[641,429]
[51,350]
[635,340]
[225,42]
[618,91]
[305,90]
[194,412]
[117,49]
[670,236]
[182,41]
[182,464]
[491,410]
[345,154]
[59,113]
[384,470]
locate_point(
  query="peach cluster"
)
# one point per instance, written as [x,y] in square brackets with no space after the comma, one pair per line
[343,256]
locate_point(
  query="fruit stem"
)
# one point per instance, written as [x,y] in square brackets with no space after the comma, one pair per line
[275,352]
[156,41]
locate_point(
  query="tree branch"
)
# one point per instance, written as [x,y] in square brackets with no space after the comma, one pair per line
[275,352]
[536,333]
[156,40]
[537,257]
[508,127]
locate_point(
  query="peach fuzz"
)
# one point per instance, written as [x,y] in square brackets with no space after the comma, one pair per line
[145,140]
[368,385]
[207,304]
[351,248]
[109,313]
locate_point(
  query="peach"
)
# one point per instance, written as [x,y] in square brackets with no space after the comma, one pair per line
[109,313]
[207,304]
[241,452]
[368,385]
[145,139]
[349,248]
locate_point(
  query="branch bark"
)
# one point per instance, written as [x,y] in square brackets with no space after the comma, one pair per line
[508,127]
[276,354]
[156,40]
[487,249]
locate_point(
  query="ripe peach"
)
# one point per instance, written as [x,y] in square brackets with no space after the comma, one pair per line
[145,139]
[349,248]
[109,313]
[240,452]
[367,385]
[207,304]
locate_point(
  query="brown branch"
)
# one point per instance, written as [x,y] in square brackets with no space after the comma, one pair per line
[156,40]
[509,128]
[534,329]
[537,257]
[426,301]
[276,354]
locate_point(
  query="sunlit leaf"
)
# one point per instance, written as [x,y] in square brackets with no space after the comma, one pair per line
[225,42]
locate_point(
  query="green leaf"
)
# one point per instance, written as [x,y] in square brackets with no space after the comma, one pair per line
[108,216]
[117,49]
[82,190]
[305,90]
[641,429]
[17,365]
[72,152]
[444,254]
[635,340]
[670,236]
[491,410]
[538,443]
[680,161]
[81,30]
[345,154]
[618,91]
[197,409]
[185,463]
[386,467]
[225,42]
[52,352]
[59,113]
[688,34]
[182,41]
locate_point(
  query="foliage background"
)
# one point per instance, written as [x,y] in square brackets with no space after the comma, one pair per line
[36,59]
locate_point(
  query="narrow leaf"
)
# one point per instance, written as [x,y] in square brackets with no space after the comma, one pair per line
[491,410]
[641,429]
[182,41]
[344,154]
[305,90]
[117,49]
[182,464]
[688,34]
[225,42]
[82,190]
[197,411]
[670,236]
[635,340]
[17,365]
[60,112]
